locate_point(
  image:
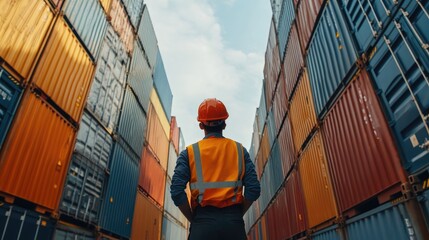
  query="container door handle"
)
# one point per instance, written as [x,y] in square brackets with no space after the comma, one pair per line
[424,45]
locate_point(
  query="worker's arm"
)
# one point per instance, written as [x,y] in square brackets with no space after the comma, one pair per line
[186,210]
[179,180]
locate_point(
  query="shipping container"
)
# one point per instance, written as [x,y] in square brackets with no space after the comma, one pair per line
[316,184]
[23,29]
[132,123]
[10,95]
[280,102]
[36,154]
[399,68]
[106,6]
[276,6]
[66,231]
[107,91]
[140,77]
[287,16]
[262,110]
[157,106]
[56,3]
[264,151]
[147,219]
[330,233]
[88,20]
[119,197]
[255,137]
[361,153]
[302,113]
[389,221]
[307,13]
[172,158]
[174,134]
[21,223]
[182,144]
[293,63]
[272,65]
[156,138]
[172,230]
[368,19]
[152,176]
[122,25]
[162,87]
[423,199]
[65,71]
[287,150]
[147,37]
[172,209]
[331,57]
[135,10]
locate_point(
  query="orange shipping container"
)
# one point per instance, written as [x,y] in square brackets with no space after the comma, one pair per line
[147,219]
[316,183]
[36,154]
[106,5]
[152,177]
[156,137]
[302,113]
[65,70]
[121,24]
[23,28]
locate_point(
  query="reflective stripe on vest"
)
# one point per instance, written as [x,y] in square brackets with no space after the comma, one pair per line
[201,186]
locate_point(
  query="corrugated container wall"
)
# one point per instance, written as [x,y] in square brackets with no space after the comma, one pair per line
[316,183]
[135,10]
[140,77]
[160,82]
[147,219]
[107,90]
[67,87]
[262,110]
[171,230]
[122,25]
[156,138]
[287,150]
[256,135]
[280,102]
[330,233]
[276,6]
[361,153]
[152,177]
[172,158]
[330,58]
[287,15]
[132,123]
[119,198]
[36,154]
[23,27]
[174,134]
[89,21]
[293,63]
[182,144]
[147,38]
[106,5]
[157,106]
[306,15]
[10,93]
[172,209]
[64,231]
[400,69]
[20,223]
[272,65]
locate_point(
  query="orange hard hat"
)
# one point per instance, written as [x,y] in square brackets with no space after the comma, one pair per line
[212,109]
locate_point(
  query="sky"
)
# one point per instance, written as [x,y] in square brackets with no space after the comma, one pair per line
[213,48]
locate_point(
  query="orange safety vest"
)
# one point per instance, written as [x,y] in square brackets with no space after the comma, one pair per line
[217,170]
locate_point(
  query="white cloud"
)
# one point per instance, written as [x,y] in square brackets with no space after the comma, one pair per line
[199,66]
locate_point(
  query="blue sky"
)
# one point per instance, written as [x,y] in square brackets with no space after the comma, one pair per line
[213,48]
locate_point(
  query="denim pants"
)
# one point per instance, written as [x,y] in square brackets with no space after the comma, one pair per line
[211,223]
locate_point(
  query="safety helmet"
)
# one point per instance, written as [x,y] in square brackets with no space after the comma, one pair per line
[212,109]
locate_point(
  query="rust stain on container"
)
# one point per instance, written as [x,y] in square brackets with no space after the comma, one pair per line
[147,219]
[152,177]
[121,24]
[302,112]
[293,62]
[65,70]
[361,153]
[316,183]
[23,29]
[36,154]
[156,137]
[306,16]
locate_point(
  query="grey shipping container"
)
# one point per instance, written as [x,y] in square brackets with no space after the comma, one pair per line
[147,38]
[10,94]
[67,232]
[162,87]
[135,10]
[107,90]
[118,205]
[171,230]
[262,110]
[21,223]
[89,21]
[287,15]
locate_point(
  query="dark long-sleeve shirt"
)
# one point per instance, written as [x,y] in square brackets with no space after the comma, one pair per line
[182,175]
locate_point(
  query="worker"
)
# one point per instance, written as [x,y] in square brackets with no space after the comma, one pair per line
[217,169]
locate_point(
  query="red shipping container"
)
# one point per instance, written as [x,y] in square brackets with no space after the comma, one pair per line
[306,16]
[272,65]
[293,62]
[174,133]
[361,153]
[280,103]
[287,149]
[152,176]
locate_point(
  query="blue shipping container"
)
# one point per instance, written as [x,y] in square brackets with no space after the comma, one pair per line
[10,94]
[162,87]
[367,20]
[20,223]
[140,77]
[147,38]
[132,123]
[89,21]
[107,89]
[330,57]
[400,68]
[330,233]
[385,222]
[135,10]
[287,15]
[423,199]
[118,204]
